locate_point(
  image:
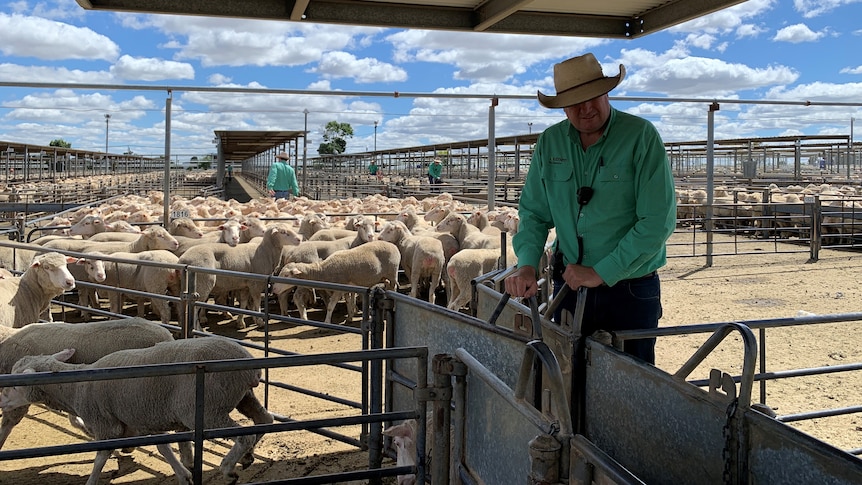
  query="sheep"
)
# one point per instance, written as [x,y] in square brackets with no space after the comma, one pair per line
[91,269]
[89,225]
[230,232]
[186,227]
[92,340]
[421,257]
[331,234]
[122,226]
[412,220]
[466,265]
[310,224]
[19,258]
[366,265]
[468,235]
[23,299]
[154,237]
[132,407]
[159,280]
[313,251]
[259,258]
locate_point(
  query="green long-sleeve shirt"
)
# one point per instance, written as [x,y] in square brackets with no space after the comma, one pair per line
[282,177]
[632,211]
[435,170]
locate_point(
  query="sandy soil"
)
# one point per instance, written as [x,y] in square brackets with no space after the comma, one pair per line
[761,286]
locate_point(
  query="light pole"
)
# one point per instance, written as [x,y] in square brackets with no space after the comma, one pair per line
[107,120]
[530,128]
[304,148]
[375,139]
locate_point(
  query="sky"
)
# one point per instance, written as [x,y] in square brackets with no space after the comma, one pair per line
[760,50]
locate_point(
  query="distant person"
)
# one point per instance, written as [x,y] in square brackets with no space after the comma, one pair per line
[601,177]
[375,170]
[435,171]
[229,172]
[281,181]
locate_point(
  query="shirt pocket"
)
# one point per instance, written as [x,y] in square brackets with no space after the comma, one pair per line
[614,173]
[560,172]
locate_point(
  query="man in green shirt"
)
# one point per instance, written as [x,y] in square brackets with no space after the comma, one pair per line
[281,180]
[603,180]
[435,170]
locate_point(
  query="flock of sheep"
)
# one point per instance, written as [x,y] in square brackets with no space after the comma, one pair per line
[766,210]
[437,242]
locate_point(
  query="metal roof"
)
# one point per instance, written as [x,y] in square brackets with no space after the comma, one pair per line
[617,19]
[241,145]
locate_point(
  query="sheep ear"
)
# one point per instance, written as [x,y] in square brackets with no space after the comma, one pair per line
[64,355]
[402,430]
[71,260]
[78,261]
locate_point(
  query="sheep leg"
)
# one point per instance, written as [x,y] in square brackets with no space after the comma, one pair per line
[184,476]
[251,408]
[432,288]
[301,297]
[242,446]
[350,302]
[330,305]
[187,457]
[99,463]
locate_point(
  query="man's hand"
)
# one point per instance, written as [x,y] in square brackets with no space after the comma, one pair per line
[577,276]
[522,282]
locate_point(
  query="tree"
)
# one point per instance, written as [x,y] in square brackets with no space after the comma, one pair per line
[59,142]
[334,135]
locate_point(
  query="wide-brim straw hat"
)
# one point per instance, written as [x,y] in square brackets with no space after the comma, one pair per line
[283,156]
[437,160]
[579,79]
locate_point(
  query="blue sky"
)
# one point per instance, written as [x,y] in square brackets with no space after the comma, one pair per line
[759,50]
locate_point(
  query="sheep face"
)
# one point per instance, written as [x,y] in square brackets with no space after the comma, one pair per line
[54,266]
[95,268]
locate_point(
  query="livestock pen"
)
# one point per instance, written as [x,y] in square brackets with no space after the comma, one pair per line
[487,384]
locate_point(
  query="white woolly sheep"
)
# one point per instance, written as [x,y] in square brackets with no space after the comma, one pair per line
[133,407]
[466,265]
[154,237]
[89,225]
[259,258]
[468,235]
[310,224]
[366,265]
[159,280]
[421,257]
[23,299]
[186,227]
[91,268]
[313,251]
[93,340]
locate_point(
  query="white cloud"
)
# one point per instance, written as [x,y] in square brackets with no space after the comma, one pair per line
[687,76]
[367,70]
[218,79]
[851,70]
[18,73]
[23,36]
[150,69]
[796,34]
[726,20]
[485,57]
[815,8]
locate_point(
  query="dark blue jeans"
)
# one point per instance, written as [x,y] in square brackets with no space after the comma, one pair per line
[628,305]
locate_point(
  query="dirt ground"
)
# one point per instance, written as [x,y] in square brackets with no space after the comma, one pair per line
[759,286]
